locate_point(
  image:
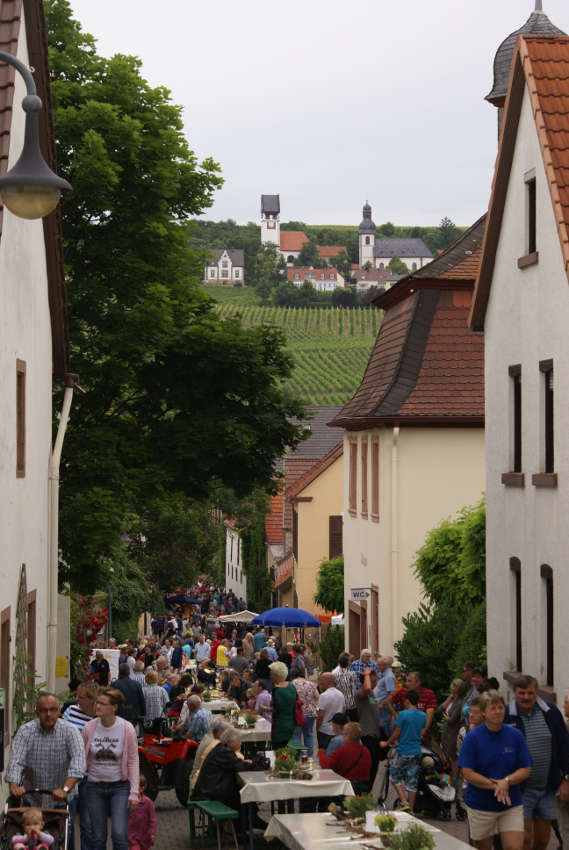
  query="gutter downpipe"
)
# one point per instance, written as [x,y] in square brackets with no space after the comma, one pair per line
[53,552]
[394,532]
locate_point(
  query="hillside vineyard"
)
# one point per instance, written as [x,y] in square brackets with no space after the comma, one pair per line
[330,346]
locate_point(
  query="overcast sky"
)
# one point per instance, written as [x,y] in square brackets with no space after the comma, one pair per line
[329,102]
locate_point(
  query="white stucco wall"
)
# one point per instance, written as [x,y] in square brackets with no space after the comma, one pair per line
[270,235]
[526,322]
[25,334]
[235,578]
[439,471]
[366,251]
[383,262]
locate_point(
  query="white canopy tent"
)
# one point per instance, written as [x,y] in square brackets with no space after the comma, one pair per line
[238,617]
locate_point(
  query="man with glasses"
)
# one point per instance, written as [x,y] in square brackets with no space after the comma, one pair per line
[46,753]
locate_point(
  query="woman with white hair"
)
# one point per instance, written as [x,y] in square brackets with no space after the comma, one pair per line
[217,779]
[284,700]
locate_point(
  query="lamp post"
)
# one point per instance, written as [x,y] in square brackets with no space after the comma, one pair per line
[30,189]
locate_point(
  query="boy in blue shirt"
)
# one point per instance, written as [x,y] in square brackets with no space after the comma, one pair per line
[405,768]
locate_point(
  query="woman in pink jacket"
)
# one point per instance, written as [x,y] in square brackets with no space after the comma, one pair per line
[111,749]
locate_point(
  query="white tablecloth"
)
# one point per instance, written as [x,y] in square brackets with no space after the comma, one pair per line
[217,706]
[314,831]
[261,731]
[259,787]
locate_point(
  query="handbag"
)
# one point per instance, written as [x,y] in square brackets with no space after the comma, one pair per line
[299,717]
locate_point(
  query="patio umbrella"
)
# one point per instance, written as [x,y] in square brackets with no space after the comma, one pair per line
[290,617]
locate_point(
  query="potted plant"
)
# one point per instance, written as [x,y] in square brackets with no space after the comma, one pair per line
[250,720]
[413,837]
[285,760]
[359,805]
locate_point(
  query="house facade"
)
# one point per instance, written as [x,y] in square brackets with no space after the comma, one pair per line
[522,304]
[33,350]
[323,280]
[235,578]
[413,440]
[227,266]
[317,500]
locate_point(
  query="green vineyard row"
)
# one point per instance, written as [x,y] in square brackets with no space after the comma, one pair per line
[331,346]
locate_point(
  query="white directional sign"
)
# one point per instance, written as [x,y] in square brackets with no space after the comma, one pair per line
[360,594]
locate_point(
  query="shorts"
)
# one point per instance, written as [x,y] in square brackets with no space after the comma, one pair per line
[405,770]
[539,804]
[485,824]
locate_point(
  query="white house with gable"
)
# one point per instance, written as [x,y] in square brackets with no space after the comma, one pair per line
[33,350]
[522,303]
[227,266]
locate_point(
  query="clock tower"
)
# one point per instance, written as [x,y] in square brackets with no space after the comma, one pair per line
[270,225]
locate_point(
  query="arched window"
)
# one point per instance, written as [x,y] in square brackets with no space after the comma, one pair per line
[382,265]
[290,259]
[414,267]
[367,240]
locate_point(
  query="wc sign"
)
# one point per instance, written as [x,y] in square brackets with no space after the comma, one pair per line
[360,594]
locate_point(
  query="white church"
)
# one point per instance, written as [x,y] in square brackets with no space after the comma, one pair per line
[379,252]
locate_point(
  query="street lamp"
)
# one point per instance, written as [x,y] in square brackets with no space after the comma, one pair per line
[30,189]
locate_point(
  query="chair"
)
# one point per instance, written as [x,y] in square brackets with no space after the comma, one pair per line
[215,812]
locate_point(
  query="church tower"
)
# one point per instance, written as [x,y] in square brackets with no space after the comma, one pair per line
[270,224]
[537,24]
[366,236]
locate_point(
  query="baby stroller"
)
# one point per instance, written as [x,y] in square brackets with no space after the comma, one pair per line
[435,795]
[56,820]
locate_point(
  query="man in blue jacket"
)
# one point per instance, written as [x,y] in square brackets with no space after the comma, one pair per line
[547,738]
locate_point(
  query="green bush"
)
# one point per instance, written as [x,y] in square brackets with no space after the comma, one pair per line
[331,646]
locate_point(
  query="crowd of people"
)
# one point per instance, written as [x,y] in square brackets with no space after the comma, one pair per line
[510,763]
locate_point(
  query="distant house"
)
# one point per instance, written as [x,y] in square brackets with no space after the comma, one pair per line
[227,266]
[279,529]
[323,280]
[380,251]
[317,500]
[235,578]
[330,252]
[413,439]
[291,244]
[521,302]
[33,351]
[364,279]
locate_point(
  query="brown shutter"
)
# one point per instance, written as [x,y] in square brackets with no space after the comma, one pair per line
[335,542]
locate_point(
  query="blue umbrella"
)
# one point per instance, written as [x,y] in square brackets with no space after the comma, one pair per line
[287,617]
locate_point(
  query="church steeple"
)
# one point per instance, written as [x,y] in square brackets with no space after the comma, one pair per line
[537,24]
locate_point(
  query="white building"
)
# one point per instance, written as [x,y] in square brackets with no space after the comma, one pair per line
[380,251]
[413,439]
[522,303]
[323,280]
[235,578]
[227,266]
[33,349]
[270,220]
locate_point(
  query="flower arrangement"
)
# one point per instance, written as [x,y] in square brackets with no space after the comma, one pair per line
[285,760]
[385,823]
[206,696]
[413,837]
[359,805]
[250,719]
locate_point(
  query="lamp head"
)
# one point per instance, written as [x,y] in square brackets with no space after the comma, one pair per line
[31,189]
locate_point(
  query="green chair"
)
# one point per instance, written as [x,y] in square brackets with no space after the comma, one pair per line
[216,813]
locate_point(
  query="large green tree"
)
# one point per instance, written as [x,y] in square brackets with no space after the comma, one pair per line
[174,397]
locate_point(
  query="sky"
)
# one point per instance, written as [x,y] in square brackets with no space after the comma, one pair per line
[329,103]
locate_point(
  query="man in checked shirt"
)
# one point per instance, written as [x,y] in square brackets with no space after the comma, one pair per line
[47,753]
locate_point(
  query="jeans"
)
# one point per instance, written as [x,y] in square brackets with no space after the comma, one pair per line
[102,800]
[307,732]
[78,804]
[323,740]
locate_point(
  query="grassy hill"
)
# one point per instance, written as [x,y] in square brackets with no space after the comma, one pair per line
[331,346]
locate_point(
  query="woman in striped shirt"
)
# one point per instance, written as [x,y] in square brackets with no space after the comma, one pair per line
[78,715]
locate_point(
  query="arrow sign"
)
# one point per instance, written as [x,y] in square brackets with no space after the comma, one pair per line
[360,594]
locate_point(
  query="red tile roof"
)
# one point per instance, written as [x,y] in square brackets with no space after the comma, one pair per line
[304,272]
[292,240]
[314,471]
[540,65]
[427,367]
[331,250]
[274,532]
[10,31]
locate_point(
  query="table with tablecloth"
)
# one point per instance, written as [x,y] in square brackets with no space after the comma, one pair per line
[322,831]
[261,787]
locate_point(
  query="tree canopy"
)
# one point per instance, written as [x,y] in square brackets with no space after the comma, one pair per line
[175,398]
[330,584]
